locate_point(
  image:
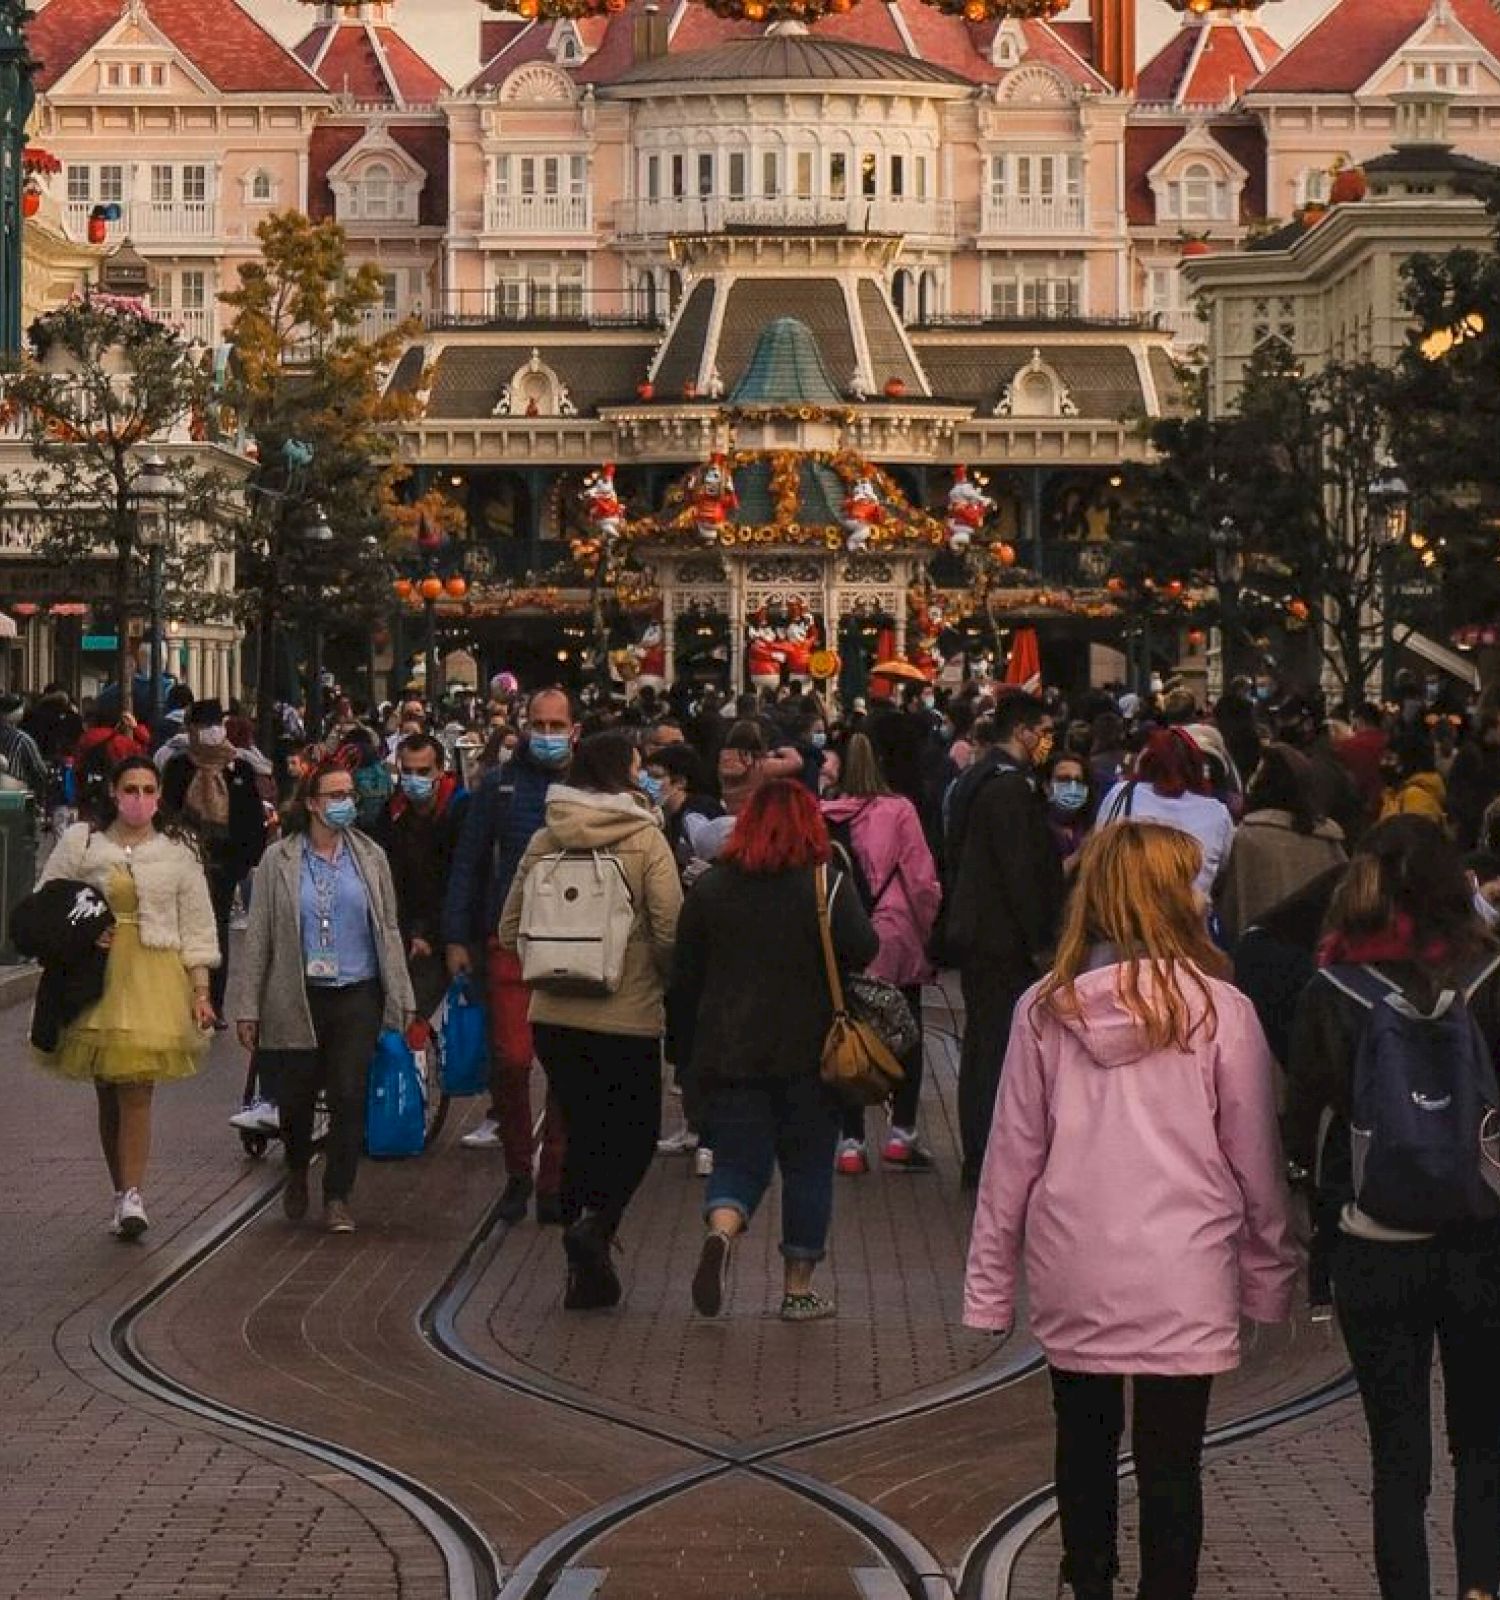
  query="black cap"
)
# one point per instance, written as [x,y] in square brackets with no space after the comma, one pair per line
[205,714]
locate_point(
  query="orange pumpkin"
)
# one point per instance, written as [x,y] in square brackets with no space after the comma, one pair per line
[402,588]
[457,586]
[1005,554]
[431,589]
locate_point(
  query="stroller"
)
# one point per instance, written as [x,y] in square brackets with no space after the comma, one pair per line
[256,1128]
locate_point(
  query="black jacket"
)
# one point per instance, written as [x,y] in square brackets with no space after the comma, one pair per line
[243,843]
[749,994]
[1006,893]
[60,926]
[421,847]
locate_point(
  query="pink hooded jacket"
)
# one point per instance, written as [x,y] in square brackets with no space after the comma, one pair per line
[1145,1188]
[893,855]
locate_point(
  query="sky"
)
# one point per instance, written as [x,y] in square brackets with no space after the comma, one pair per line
[447,31]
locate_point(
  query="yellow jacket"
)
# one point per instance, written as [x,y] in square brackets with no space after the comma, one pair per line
[1424,794]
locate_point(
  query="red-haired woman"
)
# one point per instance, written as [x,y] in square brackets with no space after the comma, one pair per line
[1171,786]
[755,1007]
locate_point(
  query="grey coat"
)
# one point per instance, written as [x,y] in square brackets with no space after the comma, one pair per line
[267,983]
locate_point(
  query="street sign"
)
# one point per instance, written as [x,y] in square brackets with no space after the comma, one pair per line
[101,641]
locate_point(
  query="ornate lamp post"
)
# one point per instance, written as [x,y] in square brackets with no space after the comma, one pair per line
[17,96]
[1390,517]
[155,494]
[1228,547]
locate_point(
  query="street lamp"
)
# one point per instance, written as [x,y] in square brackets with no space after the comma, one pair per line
[155,493]
[1390,519]
[1228,547]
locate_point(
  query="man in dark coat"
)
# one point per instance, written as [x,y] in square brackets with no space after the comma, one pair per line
[1007,896]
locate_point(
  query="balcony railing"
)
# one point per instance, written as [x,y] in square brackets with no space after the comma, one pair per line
[1032,214]
[200,323]
[711,213]
[538,213]
[547,305]
[147,221]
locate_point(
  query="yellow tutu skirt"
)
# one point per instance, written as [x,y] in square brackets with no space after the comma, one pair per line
[141,1028]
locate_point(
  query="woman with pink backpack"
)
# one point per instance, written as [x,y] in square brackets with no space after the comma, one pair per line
[898,881]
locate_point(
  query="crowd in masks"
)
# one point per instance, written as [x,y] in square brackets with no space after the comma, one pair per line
[1204,956]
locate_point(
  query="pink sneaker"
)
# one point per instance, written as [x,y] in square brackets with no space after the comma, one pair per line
[852,1161]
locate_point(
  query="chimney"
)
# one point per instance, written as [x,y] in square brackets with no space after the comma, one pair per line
[650,40]
[1113,23]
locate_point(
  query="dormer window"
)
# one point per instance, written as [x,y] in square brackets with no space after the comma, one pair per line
[1009,47]
[376,184]
[375,191]
[567,45]
[1447,76]
[135,75]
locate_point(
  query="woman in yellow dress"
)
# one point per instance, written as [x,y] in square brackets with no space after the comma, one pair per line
[154,1020]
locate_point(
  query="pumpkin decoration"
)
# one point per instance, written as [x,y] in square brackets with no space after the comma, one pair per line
[1348,187]
[402,588]
[457,586]
[431,589]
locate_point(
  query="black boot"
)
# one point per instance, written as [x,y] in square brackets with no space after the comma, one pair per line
[513,1202]
[593,1284]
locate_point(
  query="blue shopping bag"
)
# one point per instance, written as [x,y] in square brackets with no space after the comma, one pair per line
[466,1056]
[395,1109]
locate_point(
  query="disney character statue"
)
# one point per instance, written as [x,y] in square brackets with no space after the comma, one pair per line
[602,505]
[650,653]
[713,498]
[862,514]
[968,506]
[801,640]
[927,626]
[765,655]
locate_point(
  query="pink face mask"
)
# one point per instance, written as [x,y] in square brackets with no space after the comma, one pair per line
[137,810]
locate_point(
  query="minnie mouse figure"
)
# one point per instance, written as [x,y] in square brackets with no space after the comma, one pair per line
[713,499]
[862,514]
[968,506]
[602,505]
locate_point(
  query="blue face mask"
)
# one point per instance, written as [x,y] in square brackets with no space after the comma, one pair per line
[819,739]
[650,787]
[418,787]
[341,813]
[551,749]
[1069,795]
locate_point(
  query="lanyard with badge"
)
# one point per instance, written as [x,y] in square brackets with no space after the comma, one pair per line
[321,963]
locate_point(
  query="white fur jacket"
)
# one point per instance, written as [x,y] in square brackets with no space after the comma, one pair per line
[175,910]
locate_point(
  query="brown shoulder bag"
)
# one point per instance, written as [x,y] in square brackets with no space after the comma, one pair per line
[856,1061]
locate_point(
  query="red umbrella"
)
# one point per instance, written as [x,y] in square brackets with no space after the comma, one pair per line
[1024,668]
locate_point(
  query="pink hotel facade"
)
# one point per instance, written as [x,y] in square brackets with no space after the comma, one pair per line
[1031,172]
[979,227]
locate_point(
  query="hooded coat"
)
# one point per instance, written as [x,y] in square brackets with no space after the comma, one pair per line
[624,825]
[887,836]
[1143,1187]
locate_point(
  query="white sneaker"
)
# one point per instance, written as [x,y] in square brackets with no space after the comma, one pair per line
[703,1161]
[485,1137]
[681,1143]
[114,1219]
[133,1221]
[260,1116]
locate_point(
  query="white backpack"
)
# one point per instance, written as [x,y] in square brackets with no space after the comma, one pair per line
[576,915]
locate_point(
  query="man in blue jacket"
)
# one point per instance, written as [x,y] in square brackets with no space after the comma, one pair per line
[509,807]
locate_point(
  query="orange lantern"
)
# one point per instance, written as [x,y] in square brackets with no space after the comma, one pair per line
[457,586]
[1299,610]
[98,230]
[1196,638]
[431,589]
[1116,585]
[1174,589]
[402,588]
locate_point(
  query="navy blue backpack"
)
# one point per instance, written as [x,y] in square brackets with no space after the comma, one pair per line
[1424,1087]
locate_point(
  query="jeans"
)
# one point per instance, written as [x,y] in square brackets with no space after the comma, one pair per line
[609,1088]
[346,1023]
[1168,1419]
[908,1097]
[511,1052]
[756,1126]
[1393,1302]
[991,995]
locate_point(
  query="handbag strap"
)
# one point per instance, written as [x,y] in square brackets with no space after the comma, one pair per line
[825,929]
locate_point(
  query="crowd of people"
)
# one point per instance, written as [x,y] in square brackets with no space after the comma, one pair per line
[1208,959]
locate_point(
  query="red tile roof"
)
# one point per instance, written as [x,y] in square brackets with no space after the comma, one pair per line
[1146,143]
[219,37]
[425,143]
[1207,62]
[1348,45]
[372,63]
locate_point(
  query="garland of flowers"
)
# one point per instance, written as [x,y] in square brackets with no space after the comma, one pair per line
[905,523]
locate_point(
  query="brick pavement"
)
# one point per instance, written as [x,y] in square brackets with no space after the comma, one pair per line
[103,1492]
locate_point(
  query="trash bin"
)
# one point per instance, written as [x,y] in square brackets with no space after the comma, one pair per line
[19,838]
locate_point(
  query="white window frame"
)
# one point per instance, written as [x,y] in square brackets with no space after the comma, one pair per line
[1041,290]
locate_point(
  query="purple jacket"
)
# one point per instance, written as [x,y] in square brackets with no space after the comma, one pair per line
[1144,1188]
[894,857]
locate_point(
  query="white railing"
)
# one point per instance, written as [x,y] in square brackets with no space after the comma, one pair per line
[714,213]
[375,323]
[1032,214]
[538,213]
[144,221]
[200,323]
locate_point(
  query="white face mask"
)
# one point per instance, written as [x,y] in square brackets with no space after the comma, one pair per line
[217,734]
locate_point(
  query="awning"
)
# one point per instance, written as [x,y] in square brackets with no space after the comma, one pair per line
[1437,655]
